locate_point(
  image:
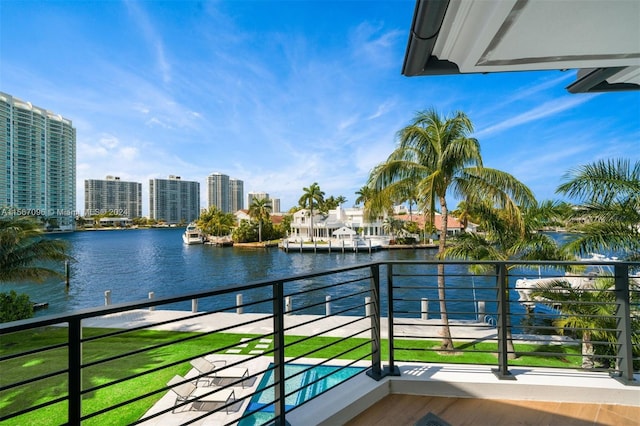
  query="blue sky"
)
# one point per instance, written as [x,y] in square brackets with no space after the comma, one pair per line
[280,94]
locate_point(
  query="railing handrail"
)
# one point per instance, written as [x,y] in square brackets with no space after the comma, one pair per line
[126,306]
[230,288]
[375,272]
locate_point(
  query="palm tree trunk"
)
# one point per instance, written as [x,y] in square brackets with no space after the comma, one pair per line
[447,341]
[587,351]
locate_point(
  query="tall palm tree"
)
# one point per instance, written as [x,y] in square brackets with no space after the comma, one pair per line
[312,197]
[608,192]
[437,155]
[373,205]
[25,251]
[259,210]
[364,194]
[341,199]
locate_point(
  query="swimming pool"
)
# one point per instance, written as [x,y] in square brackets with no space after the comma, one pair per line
[304,383]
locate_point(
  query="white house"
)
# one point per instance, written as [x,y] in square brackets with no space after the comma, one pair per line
[326,225]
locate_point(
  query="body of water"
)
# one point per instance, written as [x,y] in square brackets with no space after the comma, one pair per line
[132,263]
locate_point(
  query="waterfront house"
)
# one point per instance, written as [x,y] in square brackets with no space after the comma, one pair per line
[325,224]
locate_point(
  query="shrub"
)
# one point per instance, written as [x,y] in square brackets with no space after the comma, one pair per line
[14,306]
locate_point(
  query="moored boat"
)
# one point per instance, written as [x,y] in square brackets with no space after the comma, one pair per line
[192,235]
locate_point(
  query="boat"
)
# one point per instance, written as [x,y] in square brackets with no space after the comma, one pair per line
[192,235]
[599,265]
[40,305]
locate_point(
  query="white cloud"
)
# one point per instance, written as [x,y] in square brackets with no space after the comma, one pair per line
[109,141]
[152,37]
[537,113]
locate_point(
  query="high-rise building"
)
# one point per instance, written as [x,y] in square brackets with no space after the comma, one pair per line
[256,196]
[37,163]
[218,191]
[225,193]
[275,202]
[174,200]
[236,195]
[275,205]
[112,196]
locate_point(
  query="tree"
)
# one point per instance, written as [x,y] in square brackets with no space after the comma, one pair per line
[437,155]
[608,192]
[364,194]
[25,251]
[589,313]
[464,213]
[311,197]
[393,226]
[15,307]
[215,222]
[259,210]
[374,205]
[25,254]
[505,239]
[245,232]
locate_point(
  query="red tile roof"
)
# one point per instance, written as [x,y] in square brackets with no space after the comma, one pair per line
[452,222]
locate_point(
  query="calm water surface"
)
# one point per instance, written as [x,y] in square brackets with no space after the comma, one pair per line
[132,263]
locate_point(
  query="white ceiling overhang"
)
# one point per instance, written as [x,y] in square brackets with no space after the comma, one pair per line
[599,37]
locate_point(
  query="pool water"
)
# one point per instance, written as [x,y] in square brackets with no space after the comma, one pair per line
[263,399]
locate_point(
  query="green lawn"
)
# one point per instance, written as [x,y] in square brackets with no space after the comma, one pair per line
[54,360]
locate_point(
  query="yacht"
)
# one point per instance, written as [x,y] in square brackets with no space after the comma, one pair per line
[192,235]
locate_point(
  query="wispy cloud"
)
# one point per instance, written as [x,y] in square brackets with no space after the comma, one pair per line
[281,95]
[151,36]
[537,113]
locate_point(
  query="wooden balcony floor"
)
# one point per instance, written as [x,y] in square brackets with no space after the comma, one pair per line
[400,410]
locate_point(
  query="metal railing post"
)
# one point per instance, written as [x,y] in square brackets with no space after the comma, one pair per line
[623,323]
[391,369]
[278,354]
[502,372]
[376,370]
[75,371]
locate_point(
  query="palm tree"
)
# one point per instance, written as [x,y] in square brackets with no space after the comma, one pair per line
[609,206]
[393,226]
[364,194]
[463,213]
[437,155]
[215,222]
[370,199]
[312,197]
[504,239]
[24,250]
[259,210]
[589,313]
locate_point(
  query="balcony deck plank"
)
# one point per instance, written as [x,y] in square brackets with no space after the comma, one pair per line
[401,410]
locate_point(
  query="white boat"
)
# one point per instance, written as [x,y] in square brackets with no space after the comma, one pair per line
[526,287]
[192,235]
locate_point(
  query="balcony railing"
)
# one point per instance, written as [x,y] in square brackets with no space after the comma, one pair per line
[375,314]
